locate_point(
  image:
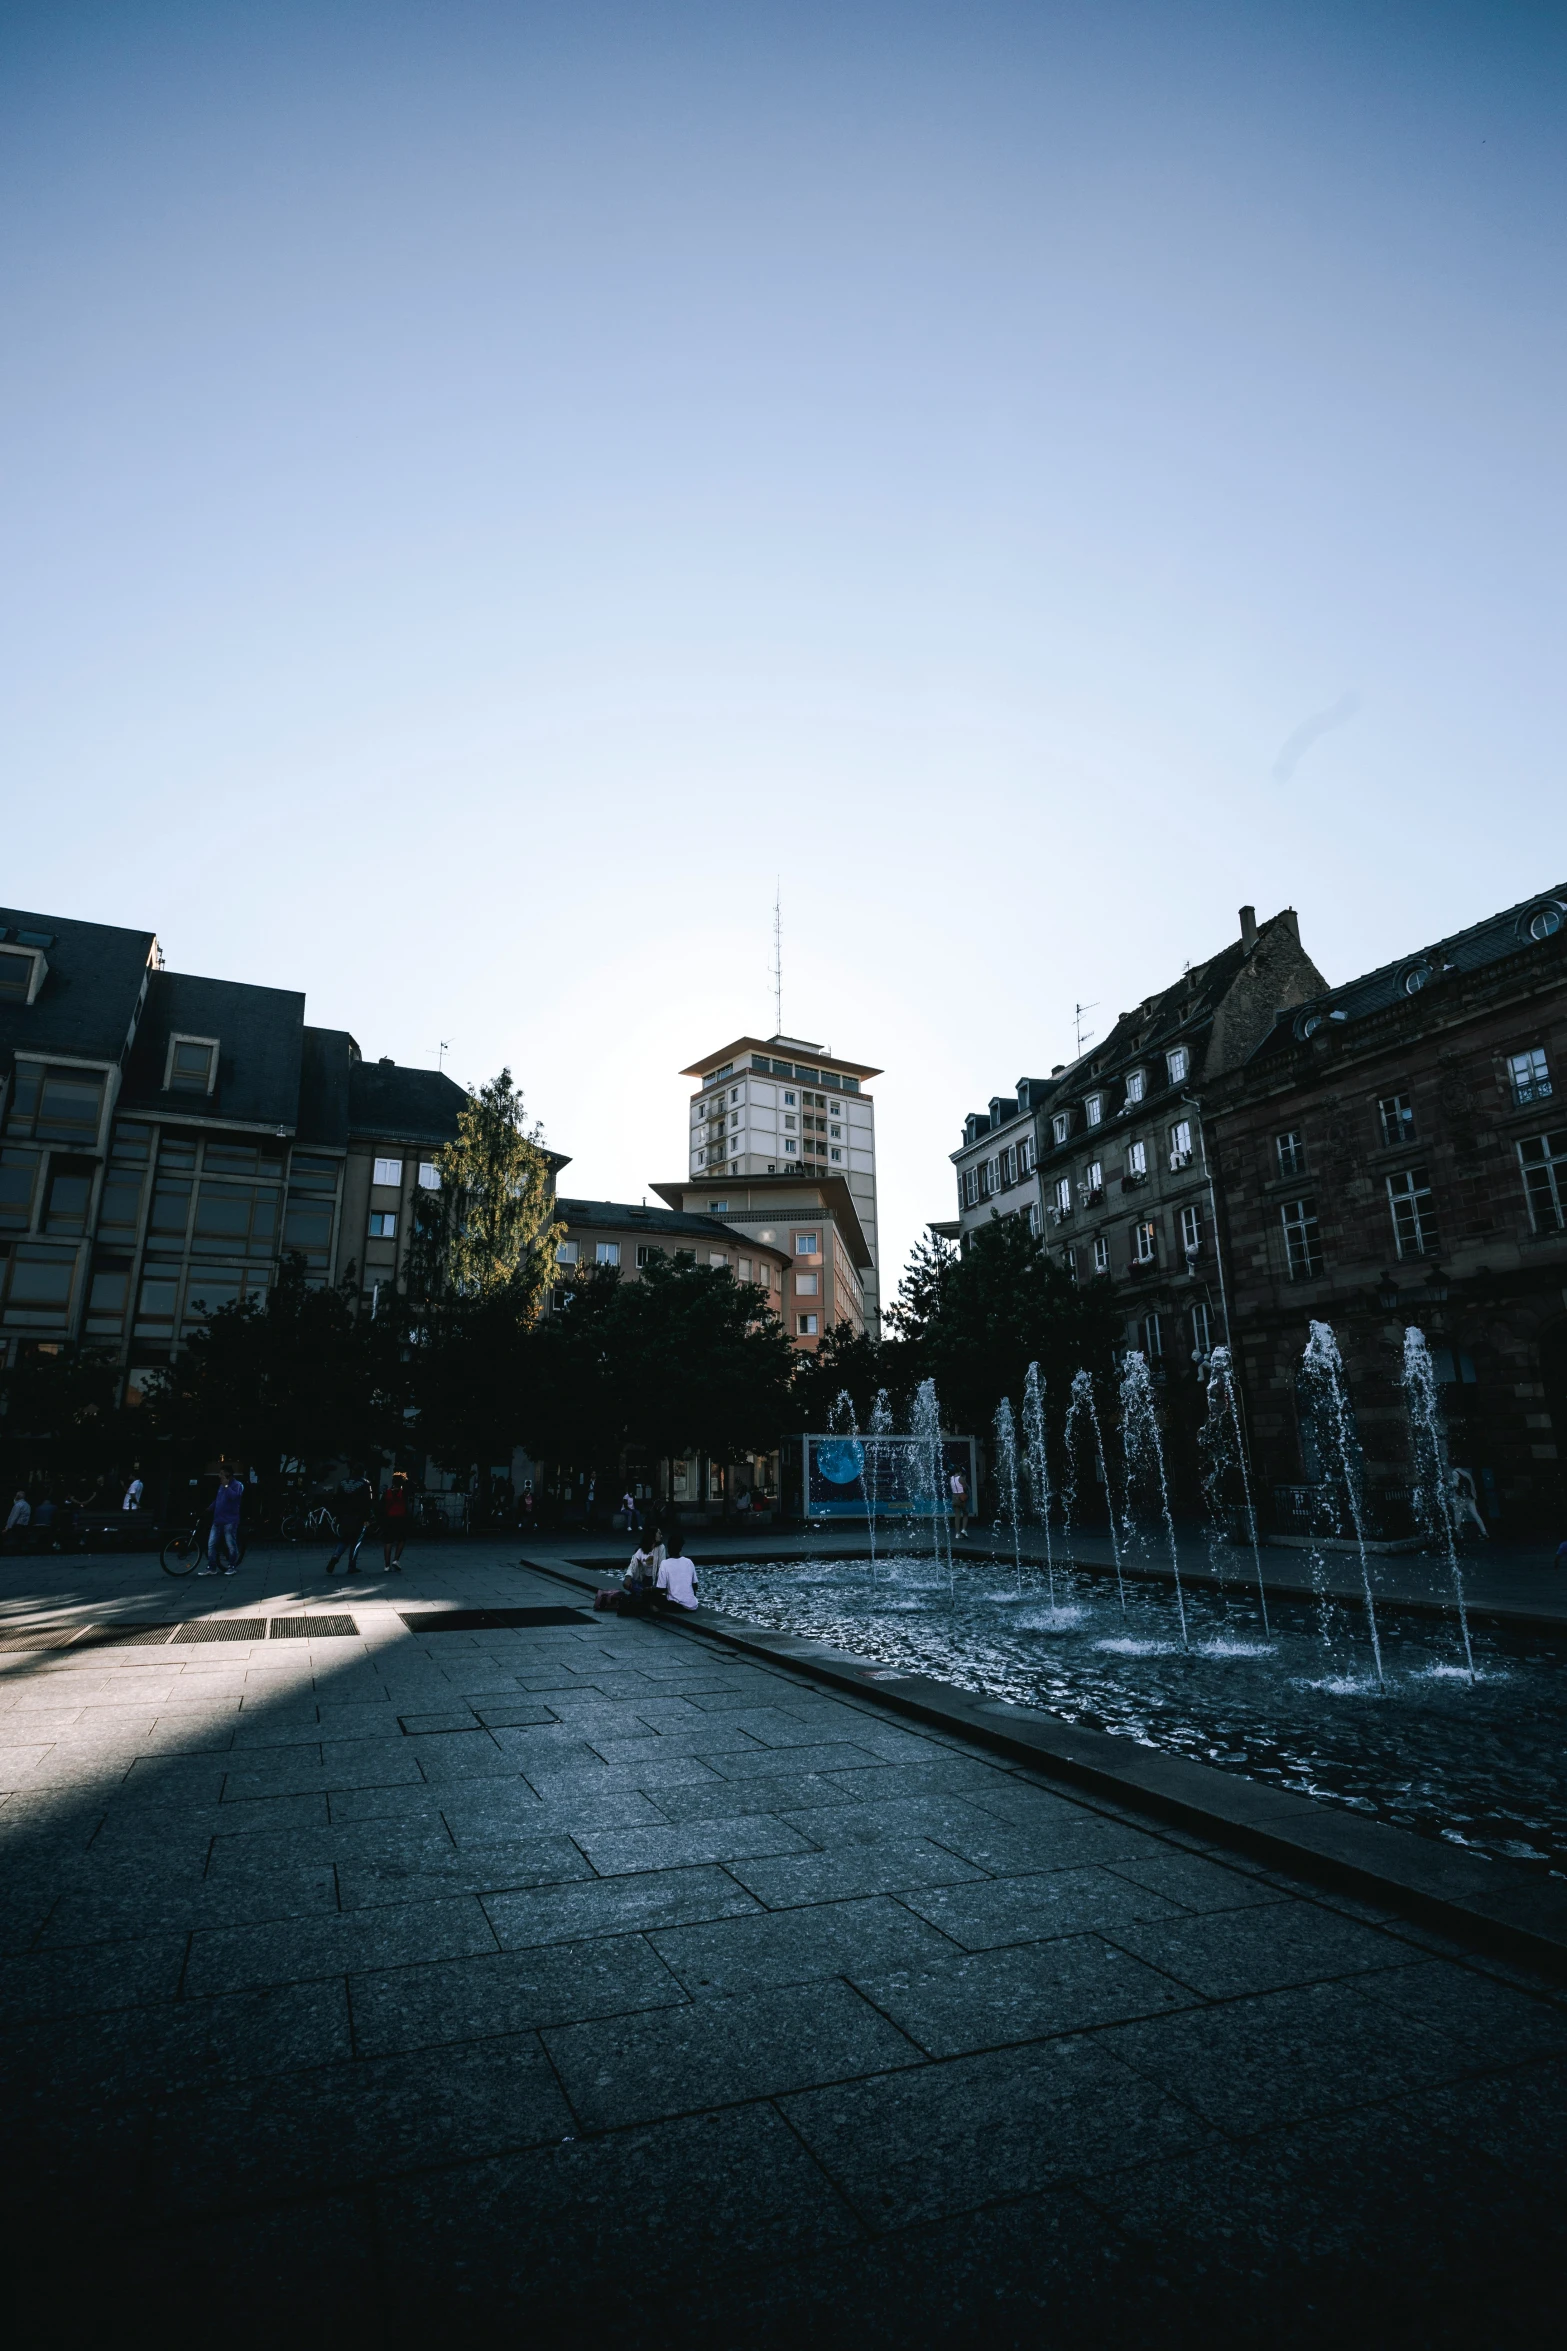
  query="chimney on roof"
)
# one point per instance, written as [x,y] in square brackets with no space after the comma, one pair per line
[1248,928]
[1059,1070]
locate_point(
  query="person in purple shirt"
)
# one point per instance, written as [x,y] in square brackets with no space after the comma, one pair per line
[225,1523]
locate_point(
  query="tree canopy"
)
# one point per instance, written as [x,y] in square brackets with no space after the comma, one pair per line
[492,1225]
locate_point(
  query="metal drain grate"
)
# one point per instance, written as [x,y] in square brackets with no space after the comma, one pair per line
[314,1628]
[491,1620]
[124,1636]
[222,1628]
[57,1636]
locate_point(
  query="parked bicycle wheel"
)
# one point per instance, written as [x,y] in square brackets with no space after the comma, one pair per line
[182,1553]
[292,1529]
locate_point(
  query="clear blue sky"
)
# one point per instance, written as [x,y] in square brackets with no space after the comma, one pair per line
[486,488]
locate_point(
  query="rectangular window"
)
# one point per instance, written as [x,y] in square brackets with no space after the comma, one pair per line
[1008,1168]
[1025,1156]
[210,1287]
[805,1324]
[1093,1182]
[1143,1242]
[18,1177]
[156,1303]
[835,1153]
[791,1147]
[387,1171]
[807,1285]
[383,1224]
[1302,1241]
[1291,1149]
[1177,1064]
[567,1253]
[1137,1159]
[743,1270]
[307,1172]
[1102,1254]
[170,1210]
[1414,1218]
[1063,1196]
[1543,1159]
[16,977]
[192,1065]
[1397,1115]
[646,1252]
[716,1258]
[807,1244]
[1181,1143]
[70,1189]
[240,1217]
[790,1100]
[606,1252]
[1033,1218]
[1530,1075]
[58,1108]
[107,1297]
[429,1176]
[1094,1109]
[1061,1125]
[1153,1337]
[1191,1230]
[307,1227]
[1136,1086]
[1202,1332]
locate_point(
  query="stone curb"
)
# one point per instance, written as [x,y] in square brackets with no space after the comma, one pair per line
[1463,1896]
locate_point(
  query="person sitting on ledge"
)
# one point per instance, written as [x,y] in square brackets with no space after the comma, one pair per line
[642,1575]
[677,1581]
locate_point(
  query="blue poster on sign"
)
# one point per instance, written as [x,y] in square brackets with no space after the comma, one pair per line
[847,1477]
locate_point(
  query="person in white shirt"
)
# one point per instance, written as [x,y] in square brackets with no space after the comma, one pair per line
[21,1514]
[677,1581]
[133,1494]
[957,1486]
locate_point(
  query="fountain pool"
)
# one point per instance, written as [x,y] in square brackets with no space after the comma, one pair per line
[1477,1762]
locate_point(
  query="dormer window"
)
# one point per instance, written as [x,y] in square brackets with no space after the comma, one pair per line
[1136,1085]
[1061,1125]
[1178,1063]
[21,974]
[1094,1109]
[192,1065]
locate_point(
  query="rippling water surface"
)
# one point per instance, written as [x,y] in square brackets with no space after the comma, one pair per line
[1479,1763]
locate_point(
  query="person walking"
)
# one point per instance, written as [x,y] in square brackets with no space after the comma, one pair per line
[1466,1502]
[17,1524]
[957,1487]
[395,1515]
[355,1510]
[227,1505]
[628,1503]
[135,1490]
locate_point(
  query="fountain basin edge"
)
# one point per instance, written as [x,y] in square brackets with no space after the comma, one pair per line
[1460,1895]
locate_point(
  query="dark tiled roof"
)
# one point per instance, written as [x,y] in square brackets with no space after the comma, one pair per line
[1463,952]
[402,1105]
[326,1059]
[659,1223]
[88,1001]
[259,1032]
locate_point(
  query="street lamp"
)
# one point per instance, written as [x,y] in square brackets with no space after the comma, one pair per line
[1387,1294]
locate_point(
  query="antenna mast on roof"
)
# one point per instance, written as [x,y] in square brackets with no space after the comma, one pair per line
[777,959]
[1084,1036]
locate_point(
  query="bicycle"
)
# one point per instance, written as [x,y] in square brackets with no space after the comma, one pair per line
[308,1525]
[183,1554]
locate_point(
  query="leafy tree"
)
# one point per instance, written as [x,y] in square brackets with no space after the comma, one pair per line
[850,1361]
[474,1370]
[59,1412]
[685,1359]
[492,1226]
[973,1322]
[297,1375]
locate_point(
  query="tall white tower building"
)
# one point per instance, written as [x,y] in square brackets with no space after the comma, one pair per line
[784,1108]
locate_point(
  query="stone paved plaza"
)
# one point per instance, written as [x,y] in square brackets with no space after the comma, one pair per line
[589,1982]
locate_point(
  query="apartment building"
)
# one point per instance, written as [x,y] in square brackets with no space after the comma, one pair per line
[782,1107]
[1122,1156]
[997,1161]
[613,1233]
[1394,1152]
[812,1222]
[165,1139]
